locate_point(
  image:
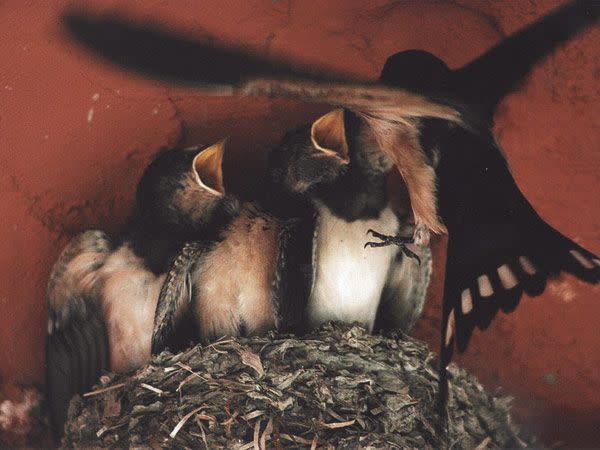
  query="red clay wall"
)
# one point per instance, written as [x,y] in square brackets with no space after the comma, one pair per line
[76,133]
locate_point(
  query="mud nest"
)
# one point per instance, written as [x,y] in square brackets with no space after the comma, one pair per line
[336,388]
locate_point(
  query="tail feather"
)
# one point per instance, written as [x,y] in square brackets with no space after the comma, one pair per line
[512,296]
[535,254]
[552,253]
[576,260]
[446,353]
[101,346]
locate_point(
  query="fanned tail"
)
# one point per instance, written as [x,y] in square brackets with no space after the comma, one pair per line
[537,253]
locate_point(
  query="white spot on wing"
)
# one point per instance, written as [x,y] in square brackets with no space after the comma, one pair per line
[485,287]
[527,265]
[449,329]
[90,114]
[507,277]
[466,301]
[581,259]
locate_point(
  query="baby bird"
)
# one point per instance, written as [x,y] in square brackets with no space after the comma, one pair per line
[231,278]
[348,199]
[103,290]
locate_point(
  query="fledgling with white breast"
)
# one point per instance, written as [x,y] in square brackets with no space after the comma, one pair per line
[335,169]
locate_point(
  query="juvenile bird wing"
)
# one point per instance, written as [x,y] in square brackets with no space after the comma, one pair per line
[176,295]
[77,346]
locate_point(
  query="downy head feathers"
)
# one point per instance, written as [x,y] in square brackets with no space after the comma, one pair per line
[182,191]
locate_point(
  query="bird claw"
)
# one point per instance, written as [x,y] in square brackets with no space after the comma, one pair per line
[386,240]
[410,254]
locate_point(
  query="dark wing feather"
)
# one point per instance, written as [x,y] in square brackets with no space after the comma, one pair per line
[77,343]
[76,356]
[404,294]
[498,246]
[59,371]
[165,55]
[486,80]
[493,230]
[228,70]
[175,296]
[293,277]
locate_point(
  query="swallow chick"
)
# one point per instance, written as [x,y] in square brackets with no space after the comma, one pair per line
[238,279]
[103,290]
[343,201]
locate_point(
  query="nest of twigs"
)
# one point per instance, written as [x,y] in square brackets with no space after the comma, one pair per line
[336,388]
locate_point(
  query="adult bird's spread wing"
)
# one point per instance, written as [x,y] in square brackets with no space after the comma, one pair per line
[227,70]
[498,246]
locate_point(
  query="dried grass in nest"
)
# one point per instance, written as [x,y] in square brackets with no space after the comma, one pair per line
[338,387]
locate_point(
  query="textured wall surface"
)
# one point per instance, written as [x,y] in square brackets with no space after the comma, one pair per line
[75,134]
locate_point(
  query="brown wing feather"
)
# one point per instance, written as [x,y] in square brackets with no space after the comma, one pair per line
[74,278]
[176,294]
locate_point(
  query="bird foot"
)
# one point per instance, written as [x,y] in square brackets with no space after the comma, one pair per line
[400,241]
